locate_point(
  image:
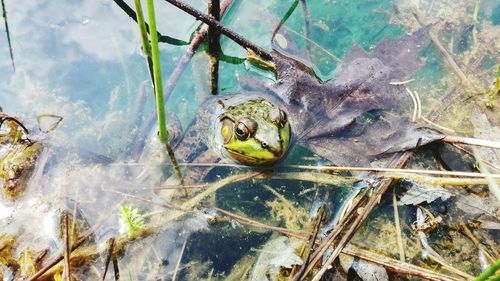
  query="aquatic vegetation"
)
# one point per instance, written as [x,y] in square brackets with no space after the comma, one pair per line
[493,91]
[19,156]
[133,221]
[300,217]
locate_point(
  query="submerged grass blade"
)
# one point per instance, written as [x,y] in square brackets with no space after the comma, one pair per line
[490,272]
[8,34]
[285,17]
[160,108]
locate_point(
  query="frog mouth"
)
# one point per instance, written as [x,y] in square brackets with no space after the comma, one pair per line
[240,157]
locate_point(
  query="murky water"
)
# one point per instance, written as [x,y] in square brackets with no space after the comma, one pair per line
[82,60]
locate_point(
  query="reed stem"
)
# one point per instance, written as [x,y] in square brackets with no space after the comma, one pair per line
[146,47]
[160,108]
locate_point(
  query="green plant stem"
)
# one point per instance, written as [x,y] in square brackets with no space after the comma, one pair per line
[489,272]
[146,47]
[160,108]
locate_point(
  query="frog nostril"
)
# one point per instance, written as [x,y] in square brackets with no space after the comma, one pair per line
[265,145]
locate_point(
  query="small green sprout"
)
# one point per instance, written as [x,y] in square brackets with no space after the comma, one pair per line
[132,219]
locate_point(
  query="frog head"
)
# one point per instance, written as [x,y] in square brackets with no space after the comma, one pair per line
[254,132]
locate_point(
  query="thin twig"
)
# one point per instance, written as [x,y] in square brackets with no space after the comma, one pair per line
[395,265]
[443,51]
[116,269]
[399,239]
[61,256]
[109,255]
[333,168]
[248,221]
[419,103]
[311,42]
[399,160]
[476,242]
[472,141]
[437,125]
[178,264]
[400,83]
[177,169]
[468,152]
[332,236]
[312,240]
[67,247]
[161,38]
[393,170]
[8,35]
[415,105]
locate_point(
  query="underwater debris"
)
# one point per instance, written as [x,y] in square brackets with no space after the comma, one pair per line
[18,155]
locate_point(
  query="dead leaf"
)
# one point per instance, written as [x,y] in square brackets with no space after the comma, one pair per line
[420,193]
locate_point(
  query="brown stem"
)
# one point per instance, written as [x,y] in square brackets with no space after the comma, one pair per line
[400,160]
[67,247]
[251,222]
[214,45]
[111,243]
[395,265]
[116,269]
[328,241]
[177,169]
[59,258]
[443,51]
[312,241]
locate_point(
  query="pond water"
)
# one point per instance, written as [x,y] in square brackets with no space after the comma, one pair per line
[82,61]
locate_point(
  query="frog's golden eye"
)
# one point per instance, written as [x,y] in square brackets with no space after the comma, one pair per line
[245,128]
[242,131]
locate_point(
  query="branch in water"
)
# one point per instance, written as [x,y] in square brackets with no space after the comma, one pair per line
[222,29]
[161,38]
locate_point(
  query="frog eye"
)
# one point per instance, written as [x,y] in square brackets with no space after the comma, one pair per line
[245,128]
[242,131]
[278,116]
[283,117]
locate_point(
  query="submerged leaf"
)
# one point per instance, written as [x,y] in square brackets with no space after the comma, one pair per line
[355,117]
[420,193]
[276,253]
[367,271]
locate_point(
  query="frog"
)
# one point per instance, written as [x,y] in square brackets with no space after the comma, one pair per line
[349,120]
[254,131]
